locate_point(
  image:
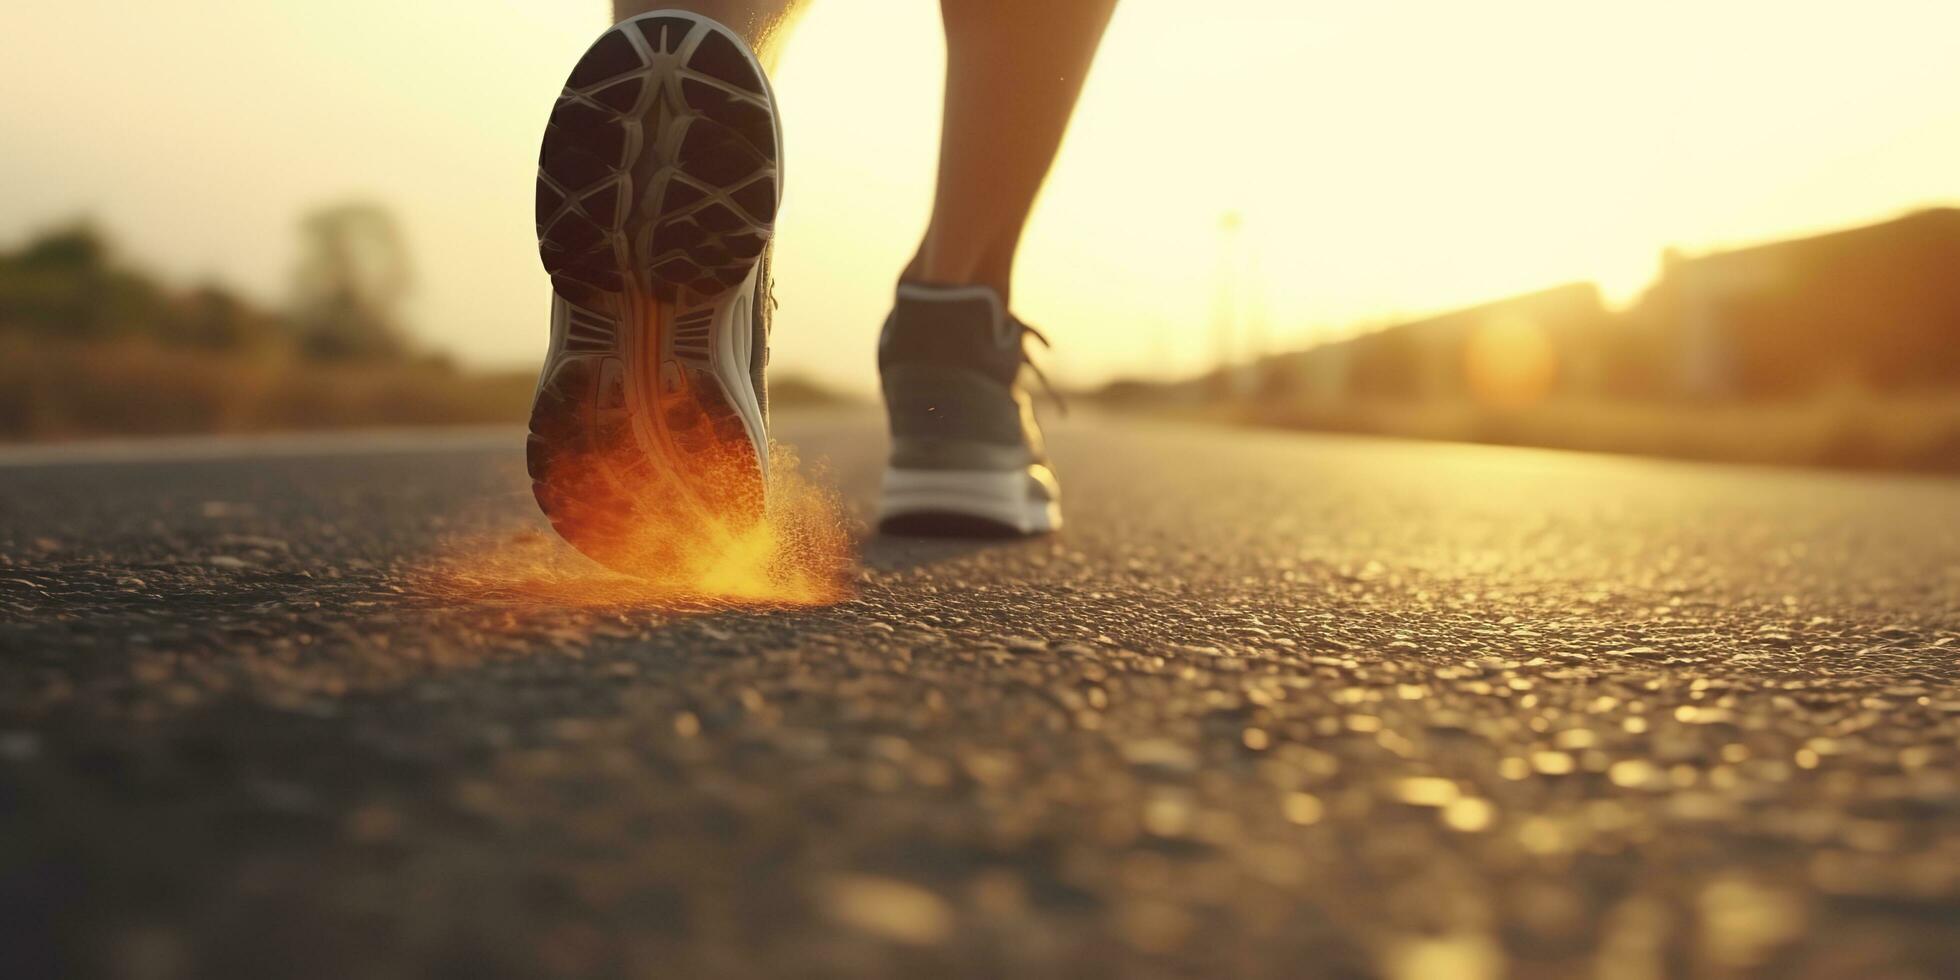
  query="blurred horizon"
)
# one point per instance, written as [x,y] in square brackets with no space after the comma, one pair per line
[1381,171]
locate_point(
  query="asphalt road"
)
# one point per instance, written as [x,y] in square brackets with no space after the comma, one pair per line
[1273,705]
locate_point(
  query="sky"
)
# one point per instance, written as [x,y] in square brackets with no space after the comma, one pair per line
[1387,159]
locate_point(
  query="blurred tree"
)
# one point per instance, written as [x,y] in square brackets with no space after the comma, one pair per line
[213,317]
[352,278]
[64,284]
[77,247]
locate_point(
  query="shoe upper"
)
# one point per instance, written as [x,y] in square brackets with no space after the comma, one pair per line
[762,317]
[951,359]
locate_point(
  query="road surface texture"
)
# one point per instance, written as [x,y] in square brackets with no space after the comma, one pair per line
[1274,705]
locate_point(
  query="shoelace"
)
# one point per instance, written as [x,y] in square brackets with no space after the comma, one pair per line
[1047,387]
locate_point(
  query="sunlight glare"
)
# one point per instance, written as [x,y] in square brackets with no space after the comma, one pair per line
[1509,362]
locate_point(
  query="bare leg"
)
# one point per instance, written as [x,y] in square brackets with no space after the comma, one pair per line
[1013,71]
[762,23]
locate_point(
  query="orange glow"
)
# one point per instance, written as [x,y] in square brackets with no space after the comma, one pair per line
[1510,363]
[800,554]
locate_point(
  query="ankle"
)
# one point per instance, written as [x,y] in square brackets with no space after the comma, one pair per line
[922,272]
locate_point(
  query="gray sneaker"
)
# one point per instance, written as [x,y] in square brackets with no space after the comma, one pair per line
[967,456]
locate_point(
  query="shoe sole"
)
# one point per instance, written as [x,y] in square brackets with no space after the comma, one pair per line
[658,184]
[966,504]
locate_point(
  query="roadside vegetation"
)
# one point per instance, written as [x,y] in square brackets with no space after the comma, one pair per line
[1848,429]
[91,344]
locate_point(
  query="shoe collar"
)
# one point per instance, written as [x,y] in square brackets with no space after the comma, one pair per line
[1006,332]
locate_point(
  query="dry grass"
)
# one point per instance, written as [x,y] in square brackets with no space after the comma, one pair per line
[136,387]
[51,391]
[1848,430]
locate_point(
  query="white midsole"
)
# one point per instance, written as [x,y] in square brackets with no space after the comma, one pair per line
[1001,496]
[734,331]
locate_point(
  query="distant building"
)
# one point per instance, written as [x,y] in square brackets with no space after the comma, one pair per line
[1426,360]
[1876,306]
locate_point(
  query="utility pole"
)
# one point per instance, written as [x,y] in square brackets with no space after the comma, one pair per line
[1225,314]
[1257,320]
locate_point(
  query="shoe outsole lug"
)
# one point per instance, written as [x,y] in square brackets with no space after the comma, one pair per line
[662,124]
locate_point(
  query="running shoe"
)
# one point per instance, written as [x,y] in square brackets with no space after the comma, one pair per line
[658,184]
[967,455]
